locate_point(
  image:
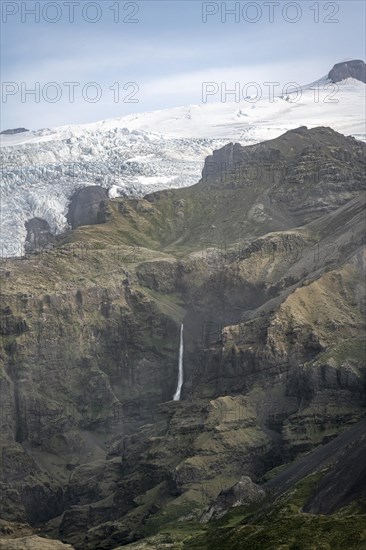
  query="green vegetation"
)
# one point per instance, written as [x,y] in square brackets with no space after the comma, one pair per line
[284,527]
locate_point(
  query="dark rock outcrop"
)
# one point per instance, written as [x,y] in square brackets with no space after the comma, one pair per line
[38,235]
[348,69]
[297,177]
[13,131]
[243,493]
[88,206]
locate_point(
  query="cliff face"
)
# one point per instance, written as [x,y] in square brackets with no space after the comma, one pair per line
[267,276]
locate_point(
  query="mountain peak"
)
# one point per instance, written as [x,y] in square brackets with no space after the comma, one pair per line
[356,68]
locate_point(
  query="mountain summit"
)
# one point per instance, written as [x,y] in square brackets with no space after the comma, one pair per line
[356,68]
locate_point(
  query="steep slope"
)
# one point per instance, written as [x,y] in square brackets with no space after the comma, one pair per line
[95,451]
[288,513]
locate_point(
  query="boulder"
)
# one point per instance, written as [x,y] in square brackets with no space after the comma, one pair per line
[243,493]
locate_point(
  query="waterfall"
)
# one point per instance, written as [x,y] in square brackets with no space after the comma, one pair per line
[180,366]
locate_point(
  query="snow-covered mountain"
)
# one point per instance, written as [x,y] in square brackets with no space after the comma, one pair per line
[140,153]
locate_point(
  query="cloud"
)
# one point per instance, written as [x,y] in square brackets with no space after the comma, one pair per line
[169,55]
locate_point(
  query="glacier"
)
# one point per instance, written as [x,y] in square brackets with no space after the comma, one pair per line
[145,152]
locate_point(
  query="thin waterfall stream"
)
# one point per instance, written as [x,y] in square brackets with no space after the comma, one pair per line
[180,367]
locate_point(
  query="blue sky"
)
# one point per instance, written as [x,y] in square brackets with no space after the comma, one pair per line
[164,57]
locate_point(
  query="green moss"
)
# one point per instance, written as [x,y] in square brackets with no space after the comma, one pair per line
[170,305]
[273,473]
[283,526]
[168,521]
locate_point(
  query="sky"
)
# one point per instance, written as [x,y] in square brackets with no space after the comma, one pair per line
[68,62]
